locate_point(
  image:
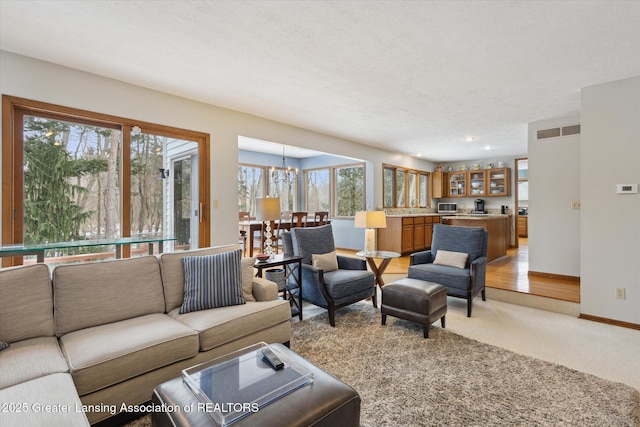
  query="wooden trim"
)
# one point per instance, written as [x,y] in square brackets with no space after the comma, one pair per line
[554,276]
[204,156]
[610,321]
[14,108]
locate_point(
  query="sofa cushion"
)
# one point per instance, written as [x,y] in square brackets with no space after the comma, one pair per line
[173,275]
[29,359]
[222,325]
[108,354]
[343,283]
[98,293]
[212,281]
[445,275]
[51,391]
[26,303]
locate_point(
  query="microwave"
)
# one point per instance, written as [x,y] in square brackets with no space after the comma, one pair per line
[447,208]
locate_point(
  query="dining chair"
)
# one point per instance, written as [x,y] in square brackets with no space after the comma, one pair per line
[298,219]
[321,217]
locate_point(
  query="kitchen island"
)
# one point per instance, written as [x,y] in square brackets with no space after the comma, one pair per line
[498,226]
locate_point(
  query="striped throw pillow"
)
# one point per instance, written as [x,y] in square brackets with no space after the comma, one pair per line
[212,281]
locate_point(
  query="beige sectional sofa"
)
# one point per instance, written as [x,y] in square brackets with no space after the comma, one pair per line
[90,337]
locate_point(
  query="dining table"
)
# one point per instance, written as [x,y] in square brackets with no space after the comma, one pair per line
[254,226]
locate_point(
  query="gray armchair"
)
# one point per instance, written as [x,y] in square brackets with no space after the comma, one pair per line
[350,283]
[465,282]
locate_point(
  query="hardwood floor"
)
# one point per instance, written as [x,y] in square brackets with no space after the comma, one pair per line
[509,273]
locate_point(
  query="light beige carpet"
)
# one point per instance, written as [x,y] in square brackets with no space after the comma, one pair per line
[450,380]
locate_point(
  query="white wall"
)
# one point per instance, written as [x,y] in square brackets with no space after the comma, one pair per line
[41,81]
[554,183]
[610,230]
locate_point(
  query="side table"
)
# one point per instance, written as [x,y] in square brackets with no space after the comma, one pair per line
[378,270]
[292,269]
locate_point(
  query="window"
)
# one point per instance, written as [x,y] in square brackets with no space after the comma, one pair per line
[404,188]
[77,175]
[283,183]
[317,184]
[349,191]
[250,187]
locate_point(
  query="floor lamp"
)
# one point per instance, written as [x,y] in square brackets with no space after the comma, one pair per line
[267,210]
[370,220]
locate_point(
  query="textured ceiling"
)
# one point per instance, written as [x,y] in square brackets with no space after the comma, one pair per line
[414,76]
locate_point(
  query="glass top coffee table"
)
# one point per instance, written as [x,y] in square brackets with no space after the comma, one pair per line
[323,401]
[243,382]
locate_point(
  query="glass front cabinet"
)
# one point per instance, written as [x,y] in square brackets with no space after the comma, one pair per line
[477,183]
[457,184]
[498,182]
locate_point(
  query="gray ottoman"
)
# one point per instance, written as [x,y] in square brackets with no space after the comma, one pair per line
[415,300]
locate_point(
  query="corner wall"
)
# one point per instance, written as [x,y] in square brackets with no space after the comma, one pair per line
[610,232]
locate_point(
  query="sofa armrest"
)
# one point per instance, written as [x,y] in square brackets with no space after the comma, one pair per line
[264,290]
[424,257]
[351,263]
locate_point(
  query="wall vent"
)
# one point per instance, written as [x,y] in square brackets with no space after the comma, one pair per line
[548,133]
[556,132]
[571,130]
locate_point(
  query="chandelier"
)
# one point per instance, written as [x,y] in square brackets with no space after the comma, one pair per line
[284,175]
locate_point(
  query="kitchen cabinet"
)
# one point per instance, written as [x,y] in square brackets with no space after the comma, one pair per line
[437,185]
[523,226]
[457,184]
[406,234]
[476,183]
[498,182]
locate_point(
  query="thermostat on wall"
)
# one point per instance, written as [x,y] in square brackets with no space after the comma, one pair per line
[627,188]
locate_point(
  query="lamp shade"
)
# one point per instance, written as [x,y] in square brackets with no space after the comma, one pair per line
[268,209]
[370,219]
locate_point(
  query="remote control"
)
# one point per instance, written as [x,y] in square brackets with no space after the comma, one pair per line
[272,359]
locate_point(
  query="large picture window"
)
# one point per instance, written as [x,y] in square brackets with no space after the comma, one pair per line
[76,175]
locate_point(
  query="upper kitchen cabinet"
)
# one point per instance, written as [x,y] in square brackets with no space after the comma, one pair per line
[457,184]
[498,182]
[477,183]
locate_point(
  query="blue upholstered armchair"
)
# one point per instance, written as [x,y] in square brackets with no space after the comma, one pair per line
[350,283]
[466,282]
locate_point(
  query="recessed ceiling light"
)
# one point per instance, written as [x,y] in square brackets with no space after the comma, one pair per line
[488,147]
[419,155]
[470,138]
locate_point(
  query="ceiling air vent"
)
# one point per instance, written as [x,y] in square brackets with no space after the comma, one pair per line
[571,130]
[548,133]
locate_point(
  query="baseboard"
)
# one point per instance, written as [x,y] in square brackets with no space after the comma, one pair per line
[610,321]
[554,276]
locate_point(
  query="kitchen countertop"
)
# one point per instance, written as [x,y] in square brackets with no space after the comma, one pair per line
[449,215]
[484,217]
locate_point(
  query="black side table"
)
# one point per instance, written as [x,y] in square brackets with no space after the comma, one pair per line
[292,269]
